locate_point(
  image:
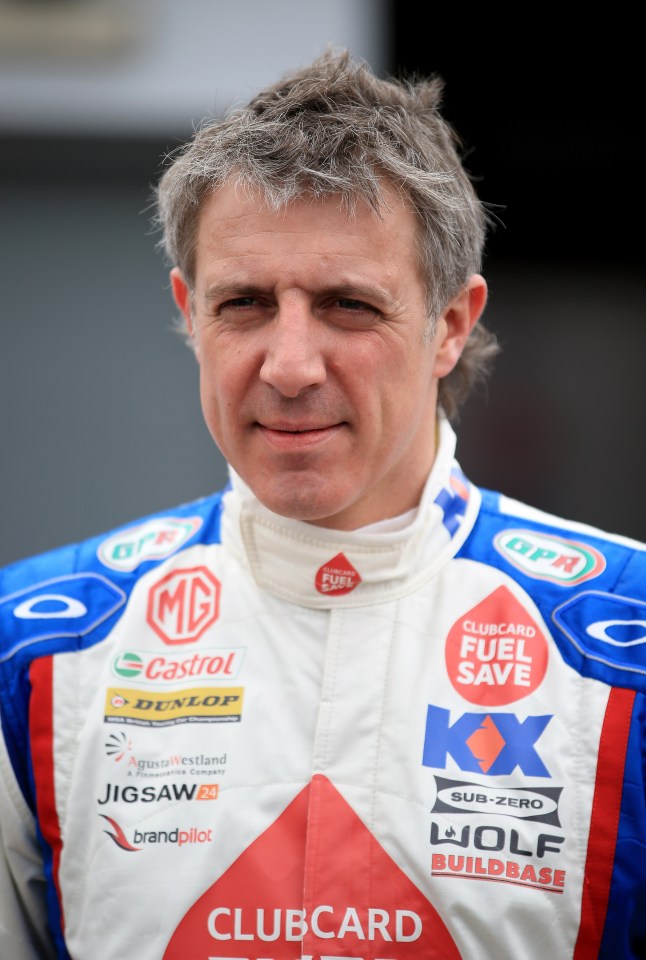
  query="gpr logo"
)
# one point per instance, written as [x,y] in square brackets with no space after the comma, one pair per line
[183,604]
[147,541]
[494,744]
[545,557]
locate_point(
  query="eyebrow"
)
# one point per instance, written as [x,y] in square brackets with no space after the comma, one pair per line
[349,290]
[219,291]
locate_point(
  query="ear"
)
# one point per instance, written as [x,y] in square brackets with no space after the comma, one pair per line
[182,297]
[456,322]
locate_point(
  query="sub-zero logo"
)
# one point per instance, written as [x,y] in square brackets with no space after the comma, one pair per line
[537,804]
[494,744]
[222,664]
[139,838]
[545,557]
[337,576]
[496,653]
[153,540]
[151,709]
[183,604]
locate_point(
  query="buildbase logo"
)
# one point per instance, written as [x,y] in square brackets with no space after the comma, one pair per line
[183,604]
[496,868]
[337,576]
[136,840]
[544,557]
[496,653]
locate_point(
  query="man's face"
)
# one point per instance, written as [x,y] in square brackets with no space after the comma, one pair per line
[316,381]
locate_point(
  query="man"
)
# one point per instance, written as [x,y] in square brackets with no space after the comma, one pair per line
[352,707]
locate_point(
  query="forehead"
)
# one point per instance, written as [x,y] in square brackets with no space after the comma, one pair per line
[237,224]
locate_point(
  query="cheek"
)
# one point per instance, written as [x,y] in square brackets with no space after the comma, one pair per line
[224,388]
[211,390]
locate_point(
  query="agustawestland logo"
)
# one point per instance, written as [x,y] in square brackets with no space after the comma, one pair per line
[490,743]
[119,748]
[183,604]
[496,653]
[140,838]
[545,557]
[337,576]
[153,540]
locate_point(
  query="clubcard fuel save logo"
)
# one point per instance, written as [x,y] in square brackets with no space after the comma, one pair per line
[337,577]
[496,653]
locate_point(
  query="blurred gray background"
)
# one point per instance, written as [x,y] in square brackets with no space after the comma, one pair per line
[99,411]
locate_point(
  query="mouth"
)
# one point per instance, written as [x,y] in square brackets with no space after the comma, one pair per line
[296,438]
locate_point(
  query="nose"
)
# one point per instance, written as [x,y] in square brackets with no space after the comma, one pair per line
[294,359]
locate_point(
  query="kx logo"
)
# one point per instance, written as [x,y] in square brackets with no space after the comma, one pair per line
[494,744]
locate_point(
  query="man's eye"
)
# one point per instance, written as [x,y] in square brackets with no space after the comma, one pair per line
[237,302]
[349,304]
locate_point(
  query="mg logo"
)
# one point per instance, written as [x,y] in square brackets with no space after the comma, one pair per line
[183,604]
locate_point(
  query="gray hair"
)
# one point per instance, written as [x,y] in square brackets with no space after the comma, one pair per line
[334,128]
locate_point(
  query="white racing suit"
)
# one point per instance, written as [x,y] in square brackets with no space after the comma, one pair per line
[228,734]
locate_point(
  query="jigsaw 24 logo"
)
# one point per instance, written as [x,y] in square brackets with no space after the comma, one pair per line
[490,743]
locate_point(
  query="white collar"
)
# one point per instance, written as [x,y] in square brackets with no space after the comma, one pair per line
[322,568]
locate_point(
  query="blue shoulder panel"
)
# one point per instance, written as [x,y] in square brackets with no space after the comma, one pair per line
[590,589]
[71,598]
